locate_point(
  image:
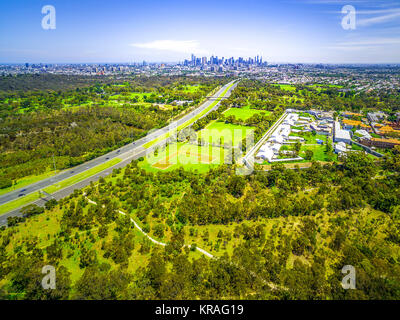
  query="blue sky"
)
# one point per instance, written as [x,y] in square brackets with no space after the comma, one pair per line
[130,30]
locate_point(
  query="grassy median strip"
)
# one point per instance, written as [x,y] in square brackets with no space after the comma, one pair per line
[26,181]
[189,122]
[20,202]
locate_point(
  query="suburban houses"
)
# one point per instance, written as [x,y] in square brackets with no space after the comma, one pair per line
[301,131]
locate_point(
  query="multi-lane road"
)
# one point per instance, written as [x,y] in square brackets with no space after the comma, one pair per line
[126,153]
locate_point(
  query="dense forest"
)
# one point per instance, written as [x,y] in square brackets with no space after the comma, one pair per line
[281,234]
[59,82]
[74,126]
[268,96]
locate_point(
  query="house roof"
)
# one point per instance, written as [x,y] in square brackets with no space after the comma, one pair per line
[393,141]
[352,114]
[355,123]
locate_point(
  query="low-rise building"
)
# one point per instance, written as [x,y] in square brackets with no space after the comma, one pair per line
[376,116]
[350,115]
[381,143]
[363,134]
[350,124]
[386,129]
[341,135]
[322,115]
[340,147]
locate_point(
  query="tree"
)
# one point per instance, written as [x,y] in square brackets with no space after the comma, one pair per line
[236,185]
[35,291]
[97,283]
[328,147]
[31,210]
[358,164]
[50,204]
[159,230]
[308,154]
[87,258]
[5,182]
[297,146]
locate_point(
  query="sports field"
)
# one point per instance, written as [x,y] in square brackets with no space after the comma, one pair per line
[189,156]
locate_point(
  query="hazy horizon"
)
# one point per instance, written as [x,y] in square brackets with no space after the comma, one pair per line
[304,31]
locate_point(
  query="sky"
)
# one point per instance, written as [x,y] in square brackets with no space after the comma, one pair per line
[119,31]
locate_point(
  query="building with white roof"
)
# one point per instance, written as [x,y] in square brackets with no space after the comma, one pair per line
[340,147]
[363,133]
[265,155]
[341,135]
[277,139]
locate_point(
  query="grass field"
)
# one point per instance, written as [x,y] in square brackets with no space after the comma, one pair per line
[243,113]
[287,87]
[319,153]
[312,139]
[191,157]
[20,202]
[231,134]
[187,123]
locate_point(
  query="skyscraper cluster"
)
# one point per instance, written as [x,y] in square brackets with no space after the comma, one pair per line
[215,61]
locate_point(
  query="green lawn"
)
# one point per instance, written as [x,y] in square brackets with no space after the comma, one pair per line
[312,139]
[27,181]
[287,87]
[243,113]
[230,133]
[187,123]
[20,202]
[184,155]
[319,153]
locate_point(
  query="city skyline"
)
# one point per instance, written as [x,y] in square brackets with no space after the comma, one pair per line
[306,31]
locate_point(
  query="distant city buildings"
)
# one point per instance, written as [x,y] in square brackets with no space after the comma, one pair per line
[342,77]
[222,62]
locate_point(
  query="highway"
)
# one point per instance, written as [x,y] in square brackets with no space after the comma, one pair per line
[126,153]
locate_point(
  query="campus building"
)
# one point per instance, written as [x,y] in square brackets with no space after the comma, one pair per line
[350,124]
[341,135]
[376,116]
[381,143]
[350,115]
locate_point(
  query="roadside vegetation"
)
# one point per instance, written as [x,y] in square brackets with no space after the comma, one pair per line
[281,234]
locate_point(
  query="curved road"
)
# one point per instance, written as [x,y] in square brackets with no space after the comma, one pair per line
[126,153]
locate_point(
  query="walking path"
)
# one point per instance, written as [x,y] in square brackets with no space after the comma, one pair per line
[270,284]
[152,239]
